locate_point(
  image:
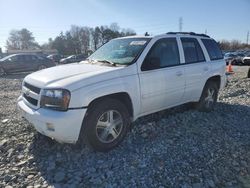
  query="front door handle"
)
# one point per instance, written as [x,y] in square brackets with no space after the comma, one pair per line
[179,73]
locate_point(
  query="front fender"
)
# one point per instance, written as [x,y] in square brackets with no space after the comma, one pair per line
[129,84]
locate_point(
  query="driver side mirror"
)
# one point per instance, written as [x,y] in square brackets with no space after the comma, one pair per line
[151,63]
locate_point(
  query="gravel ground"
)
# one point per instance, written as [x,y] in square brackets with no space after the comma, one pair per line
[179,147]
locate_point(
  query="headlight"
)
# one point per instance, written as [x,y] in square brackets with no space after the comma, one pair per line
[56,99]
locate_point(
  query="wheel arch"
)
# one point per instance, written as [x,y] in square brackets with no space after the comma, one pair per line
[123,97]
[216,79]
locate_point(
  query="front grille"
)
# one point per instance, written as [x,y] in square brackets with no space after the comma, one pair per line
[31,94]
[30,100]
[32,88]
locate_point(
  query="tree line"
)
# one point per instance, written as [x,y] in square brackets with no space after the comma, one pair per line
[233,45]
[83,40]
[76,40]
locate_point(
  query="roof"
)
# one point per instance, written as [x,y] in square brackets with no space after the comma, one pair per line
[169,33]
[188,33]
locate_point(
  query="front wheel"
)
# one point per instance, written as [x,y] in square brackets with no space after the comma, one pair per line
[106,124]
[208,97]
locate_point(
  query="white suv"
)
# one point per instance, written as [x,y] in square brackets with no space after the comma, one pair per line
[126,78]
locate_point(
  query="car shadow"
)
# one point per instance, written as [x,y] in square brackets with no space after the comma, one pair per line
[171,147]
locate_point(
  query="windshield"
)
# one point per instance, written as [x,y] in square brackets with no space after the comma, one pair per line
[120,51]
[7,57]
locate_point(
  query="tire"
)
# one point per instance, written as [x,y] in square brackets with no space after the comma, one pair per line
[208,97]
[2,71]
[99,128]
[41,67]
[234,62]
[248,74]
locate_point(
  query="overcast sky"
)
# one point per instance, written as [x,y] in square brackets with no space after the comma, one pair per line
[223,19]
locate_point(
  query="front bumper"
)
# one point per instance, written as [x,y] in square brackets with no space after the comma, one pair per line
[64,127]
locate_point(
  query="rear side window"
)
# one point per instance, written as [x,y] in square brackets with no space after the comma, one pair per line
[27,57]
[192,50]
[213,49]
[33,57]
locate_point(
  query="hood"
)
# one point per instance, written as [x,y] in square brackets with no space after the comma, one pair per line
[66,75]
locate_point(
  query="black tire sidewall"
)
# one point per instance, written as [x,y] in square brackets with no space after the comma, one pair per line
[90,122]
[4,72]
[201,106]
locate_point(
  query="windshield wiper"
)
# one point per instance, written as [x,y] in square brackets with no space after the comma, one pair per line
[106,61]
[101,61]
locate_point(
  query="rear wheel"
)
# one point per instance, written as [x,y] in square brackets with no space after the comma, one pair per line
[234,62]
[41,67]
[106,124]
[2,71]
[208,97]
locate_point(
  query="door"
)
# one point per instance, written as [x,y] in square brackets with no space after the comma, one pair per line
[196,67]
[162,77]
[34,62]
[14,63]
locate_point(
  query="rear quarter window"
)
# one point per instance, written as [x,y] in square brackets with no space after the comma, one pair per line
[192,50]
[213,49]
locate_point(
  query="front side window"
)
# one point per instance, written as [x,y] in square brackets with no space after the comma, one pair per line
[120,51]
[164,53]
[192,50]
[213,49]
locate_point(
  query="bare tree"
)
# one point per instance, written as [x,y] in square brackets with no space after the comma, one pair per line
[96,35]
[233,45]
[21,40]
[114,27]
[84,39]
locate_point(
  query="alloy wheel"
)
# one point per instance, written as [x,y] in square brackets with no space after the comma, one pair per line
[210,98]
[109,126]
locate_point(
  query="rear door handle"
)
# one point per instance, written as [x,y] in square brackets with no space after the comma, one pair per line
[179,73]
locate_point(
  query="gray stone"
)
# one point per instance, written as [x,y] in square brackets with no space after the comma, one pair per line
[59,176]
[211,183]
[5,120]
[30,176]
[2,142]
[197,185]
[8,186]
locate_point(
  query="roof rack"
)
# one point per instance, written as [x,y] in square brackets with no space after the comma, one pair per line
[188,33]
